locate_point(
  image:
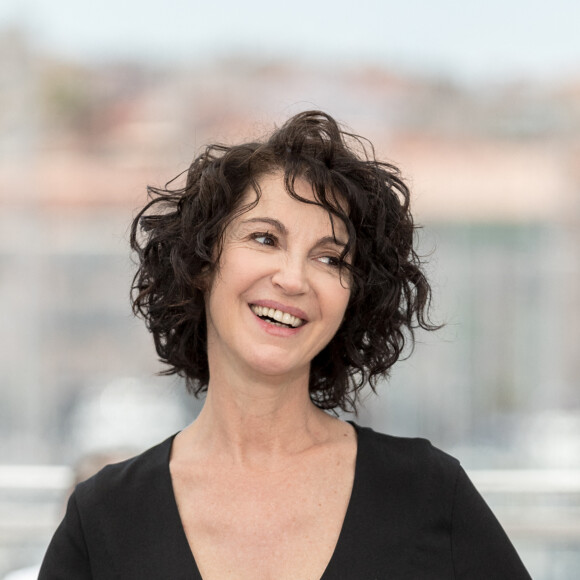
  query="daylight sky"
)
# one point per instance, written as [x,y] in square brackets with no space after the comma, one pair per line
[465,39]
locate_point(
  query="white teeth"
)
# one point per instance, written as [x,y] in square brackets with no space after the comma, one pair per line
[278,315]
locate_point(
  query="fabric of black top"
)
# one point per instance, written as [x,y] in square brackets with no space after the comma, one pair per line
[413,515]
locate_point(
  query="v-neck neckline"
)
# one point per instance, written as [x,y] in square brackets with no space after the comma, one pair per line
[185,548]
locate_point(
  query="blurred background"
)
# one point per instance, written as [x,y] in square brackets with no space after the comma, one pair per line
[477,103]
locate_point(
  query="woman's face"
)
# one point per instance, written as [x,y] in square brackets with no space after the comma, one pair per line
[277,297]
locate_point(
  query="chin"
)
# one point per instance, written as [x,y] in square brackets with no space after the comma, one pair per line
[275,368]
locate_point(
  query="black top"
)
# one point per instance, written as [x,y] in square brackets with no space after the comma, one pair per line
[413,515]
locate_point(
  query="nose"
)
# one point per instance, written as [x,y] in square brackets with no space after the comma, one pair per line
[291,276]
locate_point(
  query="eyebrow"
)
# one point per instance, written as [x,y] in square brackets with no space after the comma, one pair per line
[278,225]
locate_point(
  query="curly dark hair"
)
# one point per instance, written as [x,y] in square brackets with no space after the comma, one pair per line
[178,238]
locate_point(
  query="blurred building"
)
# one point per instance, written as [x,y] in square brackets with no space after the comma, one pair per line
[495,180]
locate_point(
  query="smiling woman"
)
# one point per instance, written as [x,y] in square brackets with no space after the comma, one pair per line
[278,296]
[364,204]
[280,280]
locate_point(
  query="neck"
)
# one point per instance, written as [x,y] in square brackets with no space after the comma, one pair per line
[258,422]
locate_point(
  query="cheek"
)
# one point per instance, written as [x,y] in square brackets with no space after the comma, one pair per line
[336,303]
[238,272]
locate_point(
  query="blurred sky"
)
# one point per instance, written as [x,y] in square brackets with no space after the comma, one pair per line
[468,40]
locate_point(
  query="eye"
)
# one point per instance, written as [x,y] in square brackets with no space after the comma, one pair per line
[265,238]
[333,261]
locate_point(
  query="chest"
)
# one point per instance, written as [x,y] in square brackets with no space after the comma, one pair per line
[264,525]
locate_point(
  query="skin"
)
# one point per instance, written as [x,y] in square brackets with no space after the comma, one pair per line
[262,478]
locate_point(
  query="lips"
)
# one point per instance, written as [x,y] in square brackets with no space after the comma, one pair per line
[277,316]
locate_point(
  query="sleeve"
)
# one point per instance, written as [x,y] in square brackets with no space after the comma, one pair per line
[481,548]
[67,555]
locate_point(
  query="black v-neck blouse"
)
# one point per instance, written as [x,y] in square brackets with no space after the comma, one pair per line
[413,515]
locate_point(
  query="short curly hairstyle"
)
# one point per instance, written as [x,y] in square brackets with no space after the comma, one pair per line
[178,238]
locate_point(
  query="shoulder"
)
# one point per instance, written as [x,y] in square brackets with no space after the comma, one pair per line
[122,483]
[425,513]
[111,528]
[403,452]
[412,467]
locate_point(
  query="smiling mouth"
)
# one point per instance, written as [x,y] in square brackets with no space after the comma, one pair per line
[277,317]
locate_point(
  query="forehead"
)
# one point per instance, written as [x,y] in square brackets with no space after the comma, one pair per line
[276,201]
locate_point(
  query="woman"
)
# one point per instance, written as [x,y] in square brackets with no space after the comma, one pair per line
[281,279]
